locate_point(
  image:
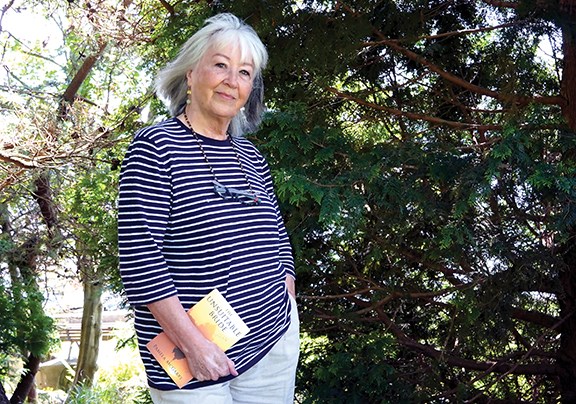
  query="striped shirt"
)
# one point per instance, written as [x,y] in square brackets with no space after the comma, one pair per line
[176,236]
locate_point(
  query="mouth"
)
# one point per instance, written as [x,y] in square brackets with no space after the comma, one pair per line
[227,96]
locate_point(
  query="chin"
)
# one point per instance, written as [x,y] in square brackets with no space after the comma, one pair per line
[227,114]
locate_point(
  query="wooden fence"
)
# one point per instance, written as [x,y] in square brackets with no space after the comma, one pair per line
[69,327]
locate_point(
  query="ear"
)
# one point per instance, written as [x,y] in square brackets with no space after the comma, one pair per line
[189,76]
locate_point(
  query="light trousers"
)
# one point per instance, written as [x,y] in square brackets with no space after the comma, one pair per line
[270,381]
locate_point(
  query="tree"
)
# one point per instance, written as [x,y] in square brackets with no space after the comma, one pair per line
[69,112]
[66,110]
[427,170]
[26,330]
[424,157]
[91,204]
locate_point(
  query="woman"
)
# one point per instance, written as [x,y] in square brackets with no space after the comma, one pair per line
[197,211]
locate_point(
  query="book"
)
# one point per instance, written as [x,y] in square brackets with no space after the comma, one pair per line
[215,319]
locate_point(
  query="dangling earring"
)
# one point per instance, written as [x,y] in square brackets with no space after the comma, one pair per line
[188,92]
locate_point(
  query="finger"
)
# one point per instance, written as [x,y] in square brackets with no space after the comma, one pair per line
[218,372]
[201,377]
[202,373]
[232,368]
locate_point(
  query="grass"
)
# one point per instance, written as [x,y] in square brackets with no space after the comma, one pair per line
[119,379]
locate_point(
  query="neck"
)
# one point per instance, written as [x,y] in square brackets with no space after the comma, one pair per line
[213,130]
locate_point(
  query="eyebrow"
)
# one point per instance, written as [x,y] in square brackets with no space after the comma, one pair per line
[226,57]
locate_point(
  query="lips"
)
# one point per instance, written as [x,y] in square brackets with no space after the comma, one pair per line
[226,96]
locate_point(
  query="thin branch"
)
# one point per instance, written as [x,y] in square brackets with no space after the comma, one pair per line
[5,9]
[535,317]
[413,115]
[33,54]
[506,98]
[70,92]
[504,4]
[492,366]
[18,160]
[451,33]
[168,8]
[431,119]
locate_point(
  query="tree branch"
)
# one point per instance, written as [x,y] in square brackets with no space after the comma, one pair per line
[504,4]
[536,318]
[451,33]
[5,8]
[70,92]
[413,115]
[43,196]
[168,8]
[506,98]
[493,367]
[18,160]
[432,119]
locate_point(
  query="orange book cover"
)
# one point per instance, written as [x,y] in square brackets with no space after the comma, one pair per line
[215,319]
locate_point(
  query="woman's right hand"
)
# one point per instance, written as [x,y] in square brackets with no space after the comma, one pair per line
[205,359]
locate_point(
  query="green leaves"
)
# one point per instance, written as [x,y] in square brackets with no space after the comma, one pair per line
[424,167]
[425,174]
[356,369]
[23,325]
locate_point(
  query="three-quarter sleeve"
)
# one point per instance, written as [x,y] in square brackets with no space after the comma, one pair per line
[143,213]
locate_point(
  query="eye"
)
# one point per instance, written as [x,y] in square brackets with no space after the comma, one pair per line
[245,73]
[221,65]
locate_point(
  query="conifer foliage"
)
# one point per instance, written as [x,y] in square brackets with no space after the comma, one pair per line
[425,155]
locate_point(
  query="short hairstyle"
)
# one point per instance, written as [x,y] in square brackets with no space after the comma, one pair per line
[218,31]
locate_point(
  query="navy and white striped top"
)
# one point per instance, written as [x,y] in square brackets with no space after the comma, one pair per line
[177,237]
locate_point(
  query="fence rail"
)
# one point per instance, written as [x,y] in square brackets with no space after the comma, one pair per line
[71,332]
[69,326]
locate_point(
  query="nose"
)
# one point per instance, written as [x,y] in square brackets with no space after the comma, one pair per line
[232,79]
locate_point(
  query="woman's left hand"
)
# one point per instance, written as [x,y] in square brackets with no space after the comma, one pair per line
[291,285]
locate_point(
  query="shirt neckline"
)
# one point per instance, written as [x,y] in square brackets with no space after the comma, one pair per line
[206,139]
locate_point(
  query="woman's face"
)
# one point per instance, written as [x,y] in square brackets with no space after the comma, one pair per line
[220,84]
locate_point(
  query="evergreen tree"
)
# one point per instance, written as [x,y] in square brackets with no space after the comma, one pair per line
[424,152]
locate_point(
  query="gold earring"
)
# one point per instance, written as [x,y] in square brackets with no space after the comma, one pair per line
[188,92]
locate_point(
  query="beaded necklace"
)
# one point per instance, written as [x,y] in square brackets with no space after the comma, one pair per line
[249,198]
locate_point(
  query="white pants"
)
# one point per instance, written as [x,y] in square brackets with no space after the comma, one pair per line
[270,381]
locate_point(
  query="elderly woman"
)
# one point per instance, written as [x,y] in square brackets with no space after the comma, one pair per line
[197,211]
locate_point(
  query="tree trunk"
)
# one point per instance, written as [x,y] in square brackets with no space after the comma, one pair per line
[22,264]
[27,380]
[567,353]
[32,394]
[3,396]
[569,64]
[90,334]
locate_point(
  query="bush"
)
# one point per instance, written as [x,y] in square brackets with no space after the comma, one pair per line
[358,369]
[123,382]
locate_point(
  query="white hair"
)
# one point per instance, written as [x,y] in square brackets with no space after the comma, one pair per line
[218,32]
